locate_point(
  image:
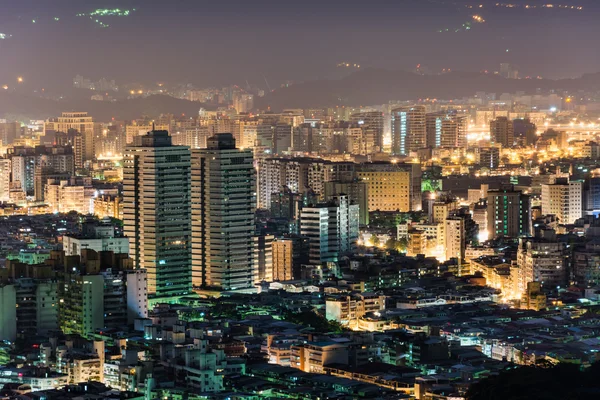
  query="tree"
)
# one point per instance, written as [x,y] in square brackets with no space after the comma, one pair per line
[313,320]
[391,244]
[374,240]
[402,245]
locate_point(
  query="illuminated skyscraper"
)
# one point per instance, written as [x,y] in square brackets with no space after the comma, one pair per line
[408,129]
[223,205]
[446,130]
[156,211]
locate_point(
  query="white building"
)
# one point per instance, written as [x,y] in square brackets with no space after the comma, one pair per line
[564,199]
[455,240]
[5,172]
[97,238]
[332,228]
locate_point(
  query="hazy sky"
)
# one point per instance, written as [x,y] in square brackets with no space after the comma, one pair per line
[220,42]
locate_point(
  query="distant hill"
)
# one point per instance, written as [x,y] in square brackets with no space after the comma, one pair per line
[23,107]
[374,86]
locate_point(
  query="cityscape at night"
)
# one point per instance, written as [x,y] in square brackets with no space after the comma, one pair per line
[299,200]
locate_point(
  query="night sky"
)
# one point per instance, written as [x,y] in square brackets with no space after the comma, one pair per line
[221,42]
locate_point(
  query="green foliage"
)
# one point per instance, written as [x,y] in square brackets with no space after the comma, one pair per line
[402,245]
[313,320]
[375,240]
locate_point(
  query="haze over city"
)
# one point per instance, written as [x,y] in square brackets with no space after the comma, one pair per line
[215,43]
[301,200]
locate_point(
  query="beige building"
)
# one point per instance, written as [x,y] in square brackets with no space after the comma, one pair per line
[82,123]
[348,309]
[108,207]
[283,260]
[133,130]
[455,239]
[312,357]
[388,190]
[75,194]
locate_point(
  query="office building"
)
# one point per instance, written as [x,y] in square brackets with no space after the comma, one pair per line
[156,212]
[508,213]
[408,129]
[223,205]
[488,157]
[392,186]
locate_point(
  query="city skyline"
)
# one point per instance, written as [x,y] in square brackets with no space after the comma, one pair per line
[393,199]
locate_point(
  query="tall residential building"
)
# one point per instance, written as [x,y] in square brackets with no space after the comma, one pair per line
[408,129]
[156,211]
[591,193]
[508,213]
[223,205]
[371,124]
[446,130]
[488,157]
[455,238]
[358,193]
[99,290]
[332,229]
[564,199]
[5,172]
[542,259]
[31,165]
[263,257]
[289,253]
[23,171]
[502,132]
[82,123]
[9,131]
